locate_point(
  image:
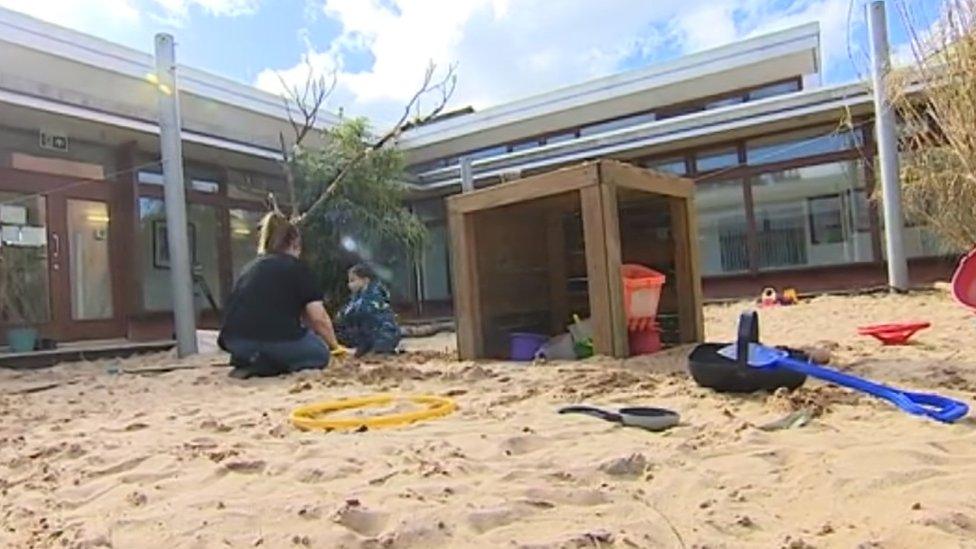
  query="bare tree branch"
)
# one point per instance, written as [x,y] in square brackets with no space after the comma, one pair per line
[444,88]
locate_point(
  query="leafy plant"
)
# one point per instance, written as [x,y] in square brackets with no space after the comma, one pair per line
[364,217]
[935,98]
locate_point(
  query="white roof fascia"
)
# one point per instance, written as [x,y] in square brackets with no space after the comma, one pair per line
[81,113]
[657,133]
[740,54]
[52,39]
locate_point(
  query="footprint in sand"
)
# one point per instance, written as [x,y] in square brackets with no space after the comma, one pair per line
[483,520]
[631,466]
[584,497]
[245,467]
[365,522]
[520,445]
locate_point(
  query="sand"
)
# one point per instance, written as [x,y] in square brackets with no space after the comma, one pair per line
[191,458]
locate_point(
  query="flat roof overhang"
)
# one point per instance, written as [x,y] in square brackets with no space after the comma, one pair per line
[20,111]
[756,61]
[827,105]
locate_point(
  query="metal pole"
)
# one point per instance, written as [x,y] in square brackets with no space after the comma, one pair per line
[887,148]
[170,142]
[467,176]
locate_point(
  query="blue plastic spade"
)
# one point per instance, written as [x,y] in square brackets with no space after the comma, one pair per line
[937,407]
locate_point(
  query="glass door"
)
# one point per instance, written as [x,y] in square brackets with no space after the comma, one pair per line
[25,267]
[83,298]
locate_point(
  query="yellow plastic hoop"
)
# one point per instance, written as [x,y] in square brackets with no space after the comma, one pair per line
[304,417]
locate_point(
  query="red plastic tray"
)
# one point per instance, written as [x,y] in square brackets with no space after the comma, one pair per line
[893,334]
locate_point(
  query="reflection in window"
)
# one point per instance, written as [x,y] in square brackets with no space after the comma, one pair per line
[617,124]
[560,137]
[524,145]
[243,238]
[715,160]
[726,102]
[24,282]
[810,216]
[774,89]
[799,145]
[723,232]
[202,231]
[669,165]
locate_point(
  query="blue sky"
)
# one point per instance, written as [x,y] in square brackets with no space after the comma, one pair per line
[504,49]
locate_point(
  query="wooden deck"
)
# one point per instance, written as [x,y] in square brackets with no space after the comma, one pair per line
[79,351]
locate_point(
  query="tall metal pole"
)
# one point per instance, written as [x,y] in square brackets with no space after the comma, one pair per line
[467,176]
[887,148]
[171,145]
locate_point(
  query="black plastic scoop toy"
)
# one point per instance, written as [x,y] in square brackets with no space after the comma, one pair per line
[652,419]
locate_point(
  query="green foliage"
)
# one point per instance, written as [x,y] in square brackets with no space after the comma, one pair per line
[366,209]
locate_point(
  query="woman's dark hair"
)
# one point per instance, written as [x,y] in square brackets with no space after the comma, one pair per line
[363,270]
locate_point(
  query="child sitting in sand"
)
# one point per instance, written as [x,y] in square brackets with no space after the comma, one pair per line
[367,323]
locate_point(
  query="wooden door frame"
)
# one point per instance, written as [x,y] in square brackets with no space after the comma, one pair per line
[57,191]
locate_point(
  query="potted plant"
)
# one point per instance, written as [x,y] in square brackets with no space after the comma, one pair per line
[23,302]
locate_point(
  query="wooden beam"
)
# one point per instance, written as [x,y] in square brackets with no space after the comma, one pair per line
[641,179]
[467,303]
[601,313]
[688,283]
[611,232]
[529,188]
[556,256]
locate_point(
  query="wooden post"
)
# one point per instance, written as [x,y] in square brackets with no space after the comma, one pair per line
[556,256]
[615,283]
[466,290]
[609,329]
[688,283]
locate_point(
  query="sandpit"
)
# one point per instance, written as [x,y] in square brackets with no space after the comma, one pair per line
[191,458]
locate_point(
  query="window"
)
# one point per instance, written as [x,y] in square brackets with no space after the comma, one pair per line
[726,102]
[723,231]
[561,137]
[668,165]
[771,90]
[488,152]
[617,124]
[202,229]
[717,159]
[524,145]
[801,144]
[199,185]
[243,238]
[811,217]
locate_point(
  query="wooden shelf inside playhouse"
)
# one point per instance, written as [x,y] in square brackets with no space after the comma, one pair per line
[530,253]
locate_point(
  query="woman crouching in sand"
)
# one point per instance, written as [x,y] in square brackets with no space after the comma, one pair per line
[275,321]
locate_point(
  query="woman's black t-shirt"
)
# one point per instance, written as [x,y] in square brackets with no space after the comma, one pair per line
[268,300]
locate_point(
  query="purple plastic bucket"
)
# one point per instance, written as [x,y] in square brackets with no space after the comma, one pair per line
[525,346]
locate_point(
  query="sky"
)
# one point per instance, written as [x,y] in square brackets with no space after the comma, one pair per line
[503,49]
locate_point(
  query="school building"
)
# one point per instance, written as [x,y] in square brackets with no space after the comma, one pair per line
[783,167]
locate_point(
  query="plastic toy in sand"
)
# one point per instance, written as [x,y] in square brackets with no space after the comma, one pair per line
[934,406]
[789,297]
[964,281]
[307,417]
[768,298]
[893,334]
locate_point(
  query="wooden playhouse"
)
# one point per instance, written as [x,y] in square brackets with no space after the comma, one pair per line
[529,254]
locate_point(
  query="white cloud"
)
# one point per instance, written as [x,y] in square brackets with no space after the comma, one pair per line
[506,49]
[223,8]
[87,16]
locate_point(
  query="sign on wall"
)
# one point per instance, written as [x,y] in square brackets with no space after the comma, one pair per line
[53,141]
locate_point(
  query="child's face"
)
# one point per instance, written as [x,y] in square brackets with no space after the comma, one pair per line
[357,284]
